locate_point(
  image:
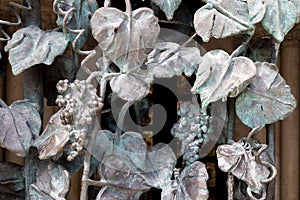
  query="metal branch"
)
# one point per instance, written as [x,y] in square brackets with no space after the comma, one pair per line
[87,162]
[230,136]
[33,91]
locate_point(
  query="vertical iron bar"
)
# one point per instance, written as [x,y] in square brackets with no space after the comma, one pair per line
[230,136]
[33,91]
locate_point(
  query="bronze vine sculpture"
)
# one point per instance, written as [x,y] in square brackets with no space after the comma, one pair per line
[130,57]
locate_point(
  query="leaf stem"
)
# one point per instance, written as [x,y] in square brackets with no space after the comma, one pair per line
[253,131]
[178,48]
[242,47]
[128,7]
[122,115]
[107,3]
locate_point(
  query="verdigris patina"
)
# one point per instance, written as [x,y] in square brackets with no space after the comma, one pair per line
[131,55]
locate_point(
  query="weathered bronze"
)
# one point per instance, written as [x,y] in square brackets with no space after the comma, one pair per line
[132,53]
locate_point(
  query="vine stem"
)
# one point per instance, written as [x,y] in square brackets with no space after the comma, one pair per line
[33,91]
[270,127]
[87,161]
[230,136]
[85,181]
[230,186]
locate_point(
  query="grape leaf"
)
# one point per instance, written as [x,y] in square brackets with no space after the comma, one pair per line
[20,124]
[280,17]
[209,22]
[121,172]
[31,45]
[219,77]
[124,39]
[257,10]
[81,18]
[129,155]
[160,162]
[168,6]
[191,184]
[297,6]
[131,87]
[53,139]
[52,182]
[267,99]
[169,59]
[241,163]
[130,145]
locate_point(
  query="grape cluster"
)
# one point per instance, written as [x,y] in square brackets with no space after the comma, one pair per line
[191,129]
[79,106]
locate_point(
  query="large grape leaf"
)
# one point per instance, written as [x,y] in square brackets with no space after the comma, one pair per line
[31,45]
[52,182]
[267,99]
[20,124]
[125,39]
[209,22]
[160,162]
[280,17]
[122,173]
[169,59]
[218,76]
[127,155]
[129,145]
[53,139]
[168,6]
[79,20]
[191,184]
